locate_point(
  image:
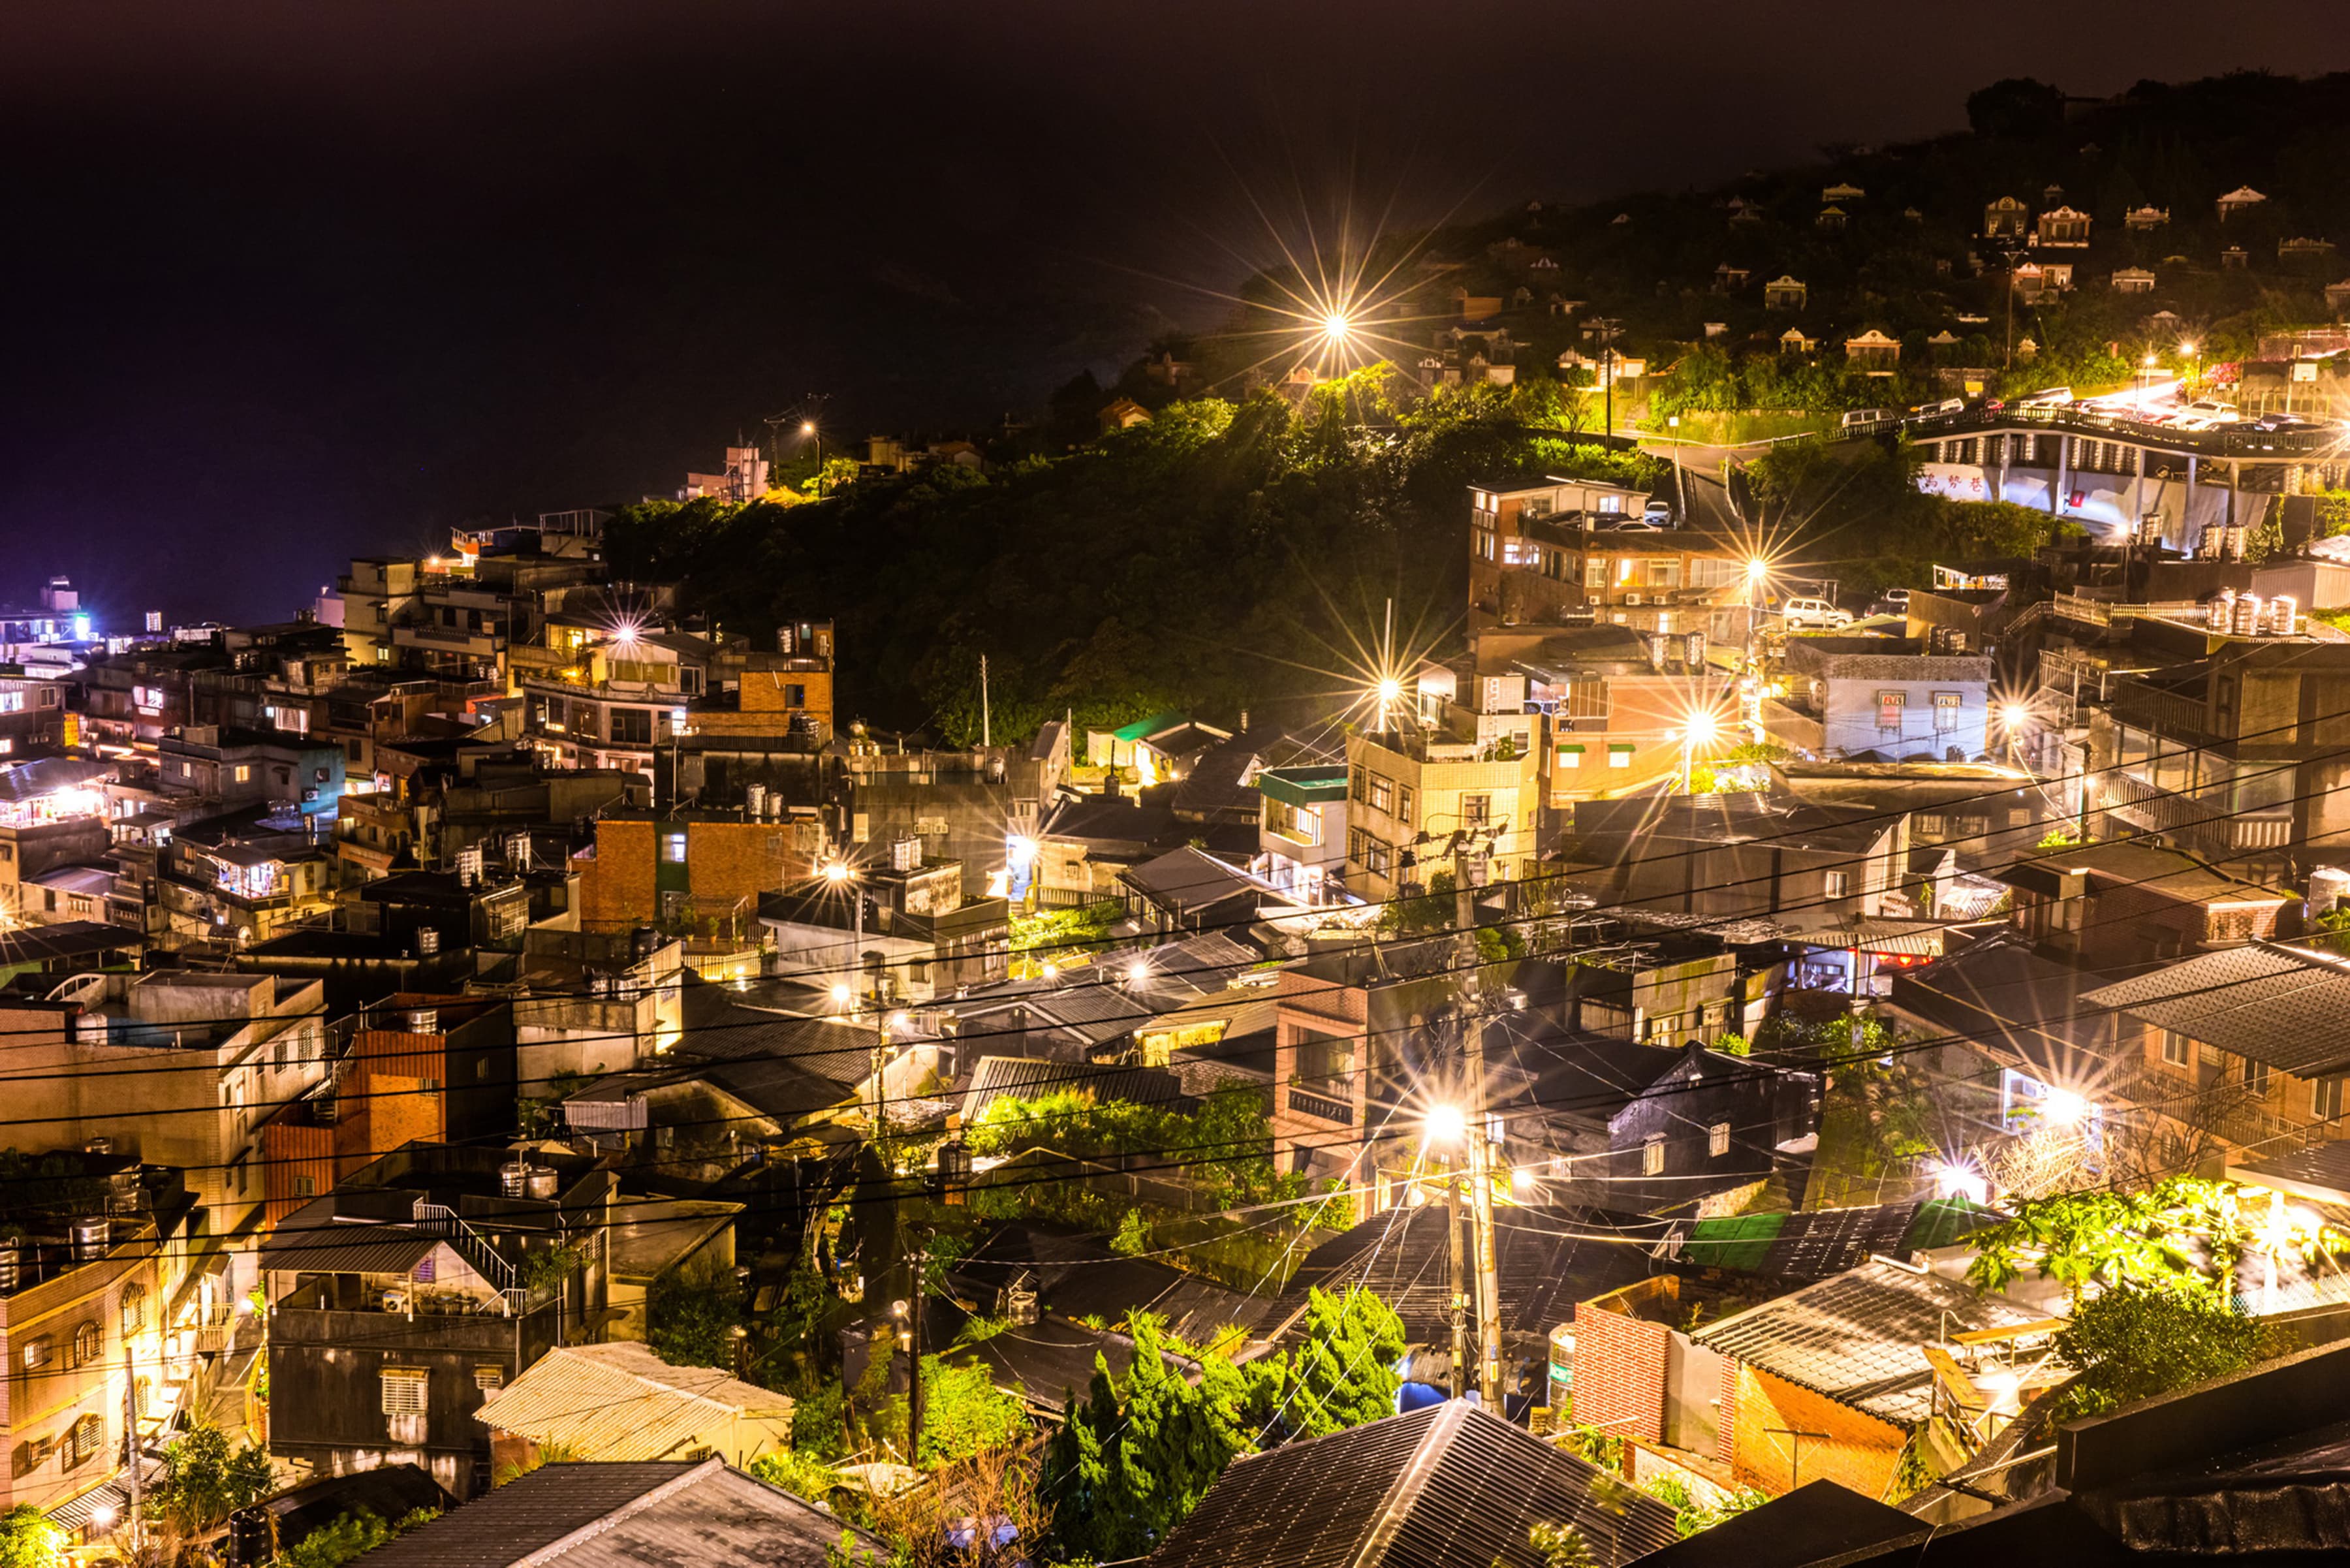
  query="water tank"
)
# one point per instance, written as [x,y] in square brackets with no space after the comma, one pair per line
[643,942]
[2236,543]
[9,1273]
[754,801]
[424,1021]
[512,1175]
[905,854]
[1562,1367]
[2223,609]
[2284,615]
[89,1238]
[428,941]
[539,1182]
[2328,886]
[2248,615]
[249,1545]
[98,1145]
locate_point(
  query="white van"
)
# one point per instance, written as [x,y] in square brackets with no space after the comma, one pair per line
[1801,614]
[1947,406]
[1862,419]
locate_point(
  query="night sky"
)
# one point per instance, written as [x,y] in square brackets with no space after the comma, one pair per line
[291,279]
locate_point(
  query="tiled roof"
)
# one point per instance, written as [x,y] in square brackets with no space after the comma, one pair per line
[2274,1005]
[324,1247]
[626,1515]
[620,1401]
[1447,1487]
[1857,1337]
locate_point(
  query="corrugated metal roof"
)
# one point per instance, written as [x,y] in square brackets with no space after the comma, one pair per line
[2274,1005]
[1027,1077]
[1858,1337]
[626,1515]
[345,1248]
[1447,1487]
[620,1401]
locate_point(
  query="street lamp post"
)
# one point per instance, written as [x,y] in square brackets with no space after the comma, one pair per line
[842,875]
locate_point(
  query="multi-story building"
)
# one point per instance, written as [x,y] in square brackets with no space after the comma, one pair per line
[1519,530]
[696,874]
[174,1067]
[32,713]
[240,879]
[1415,804]
[405,1296]
[1851,696]
[1302,829]
[52,816]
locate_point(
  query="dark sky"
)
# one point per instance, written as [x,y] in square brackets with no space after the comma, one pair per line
[289,279]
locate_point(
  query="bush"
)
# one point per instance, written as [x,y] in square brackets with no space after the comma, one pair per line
[2136,1341]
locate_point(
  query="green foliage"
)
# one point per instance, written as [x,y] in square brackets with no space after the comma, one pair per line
[2332,507]
[1344,1373]
[1497,944]
[1051,931]
[2058,838]
[820,1421]
[27,1539]
[1691,1513]
[1559,1546]
[796,1472]
[1133,1238]
[545,1267]
[1734,1045]
[332,1545]
[1598,1446]
[204,1482]
[2135,1341]
[2333,933]
[2184,1236]
[965,1413]
[1226,1144]
[687,1316]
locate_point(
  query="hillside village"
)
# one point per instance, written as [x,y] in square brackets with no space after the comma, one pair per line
[1398,958]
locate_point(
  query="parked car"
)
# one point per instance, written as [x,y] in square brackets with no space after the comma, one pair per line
[1863,419]
[1660,513]
[1895,601]
[1936,410]
[2204,414]
[2046,398]
[1801,615]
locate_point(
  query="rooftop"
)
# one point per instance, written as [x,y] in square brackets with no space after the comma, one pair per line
[617,1402]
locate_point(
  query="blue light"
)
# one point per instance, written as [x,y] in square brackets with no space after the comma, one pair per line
[81,629]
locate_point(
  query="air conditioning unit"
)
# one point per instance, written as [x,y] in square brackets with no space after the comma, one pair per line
[1631,598]
[395,1301]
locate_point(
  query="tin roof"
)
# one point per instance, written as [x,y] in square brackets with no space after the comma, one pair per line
[619,1402]
[2278,1005]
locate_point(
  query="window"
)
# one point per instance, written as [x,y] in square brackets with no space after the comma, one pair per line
[1889,708]
[632,727]
[1836,884]
[1476,810]
[488,1377]
[1946,712]
[1717,1139]
[12,702]
[2325,1098]
[1652,1155]
[244,773]
[305,1187]
[673,849]
[1328,1060]
[1570,756]
[405,1390]
[796,696]
[1382,793]
[89,1344]
[134,1309]
[2178,1050]
[84,1440]
[38,1351]
[2256,1076]
[1619,755]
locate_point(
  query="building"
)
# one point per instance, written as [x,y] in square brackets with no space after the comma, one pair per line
[236,880]
[1739,855]
[1414,804]
[53,817]
[2145,218]
[2132,280]
[2131,901]
[1785,293]
[743,478]
[923,932]
[619,1403]
[694,873]
[1521,534]
[591,1515]
[1874,350]
[1302,830]
[2061,227]
[403,1299]
[1861,697]
[172,1068]
[33,720]
[2005,219]
[2238,203]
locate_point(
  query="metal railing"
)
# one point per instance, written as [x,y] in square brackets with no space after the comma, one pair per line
[1306,1102]
[439,1220]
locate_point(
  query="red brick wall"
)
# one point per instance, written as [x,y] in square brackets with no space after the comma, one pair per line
[1619,1373]
[288,1150]
[1859,1451]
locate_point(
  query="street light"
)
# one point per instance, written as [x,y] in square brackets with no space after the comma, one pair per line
[1444,1124]
[2063,1108]
[1390,693]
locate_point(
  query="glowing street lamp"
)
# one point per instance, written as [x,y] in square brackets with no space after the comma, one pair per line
[2063,1108]
[1390,693]
[1444,1124]
[1702,729]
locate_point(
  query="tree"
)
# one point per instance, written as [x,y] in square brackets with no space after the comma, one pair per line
[2186,1236]
[2136,1341]
[204,1482]
[2016,106]
[27,1539]
[965,1413]
[1344,1373]
[350,1536]
[687,1315]
[992,1494]
[1135,1456]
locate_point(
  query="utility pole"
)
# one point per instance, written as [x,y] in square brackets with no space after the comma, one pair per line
[1459,1258]
[130,1445]
[914,1350]
[1481,1162]
[986,733]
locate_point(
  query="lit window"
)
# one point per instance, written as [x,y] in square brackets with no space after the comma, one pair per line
[134,1309]
[1717,1139]
[1836,884]
[12,702]
[244,773]
[2178,1050]
[1382,793]
[2326,1099]
[1618,756]
[89,1344]
[36,1352]
[2256,1076]
[1570,756]
[673,848]
[1652,1155]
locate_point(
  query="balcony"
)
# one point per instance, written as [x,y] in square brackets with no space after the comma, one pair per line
[1307,1103]
[2205,825]
[2166,712]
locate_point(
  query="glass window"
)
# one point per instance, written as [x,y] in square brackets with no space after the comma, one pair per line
[2325,1098]
[1618,756]
[632,726]
[403,1390]
[1717,1139]
[1652,1155]
[1570,756]
[673,848]
[1403,803]
[1476,810]
[1946,712]
[1382,793]
[2178,1050]
[1836,884]
[2256,1076]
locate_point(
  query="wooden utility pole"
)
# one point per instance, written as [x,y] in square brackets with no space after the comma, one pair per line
[914,1364]
[1471,1014]
[1460,1257]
